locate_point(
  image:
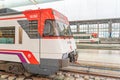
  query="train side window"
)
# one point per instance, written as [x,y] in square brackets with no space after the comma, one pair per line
[33,29]
[7,35]
[48,29]
[30,27]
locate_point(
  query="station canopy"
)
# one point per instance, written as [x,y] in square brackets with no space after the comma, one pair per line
[18,3]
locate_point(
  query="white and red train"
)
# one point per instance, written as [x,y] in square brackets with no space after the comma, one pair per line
[35,41]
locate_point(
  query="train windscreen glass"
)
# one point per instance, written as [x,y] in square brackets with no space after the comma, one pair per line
[56,28]
[63,29]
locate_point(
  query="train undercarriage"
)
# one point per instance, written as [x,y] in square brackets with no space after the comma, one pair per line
[72,72]
[13,67]
[44,67]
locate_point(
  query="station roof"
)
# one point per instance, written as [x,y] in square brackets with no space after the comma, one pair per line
[17,3]
[95,21]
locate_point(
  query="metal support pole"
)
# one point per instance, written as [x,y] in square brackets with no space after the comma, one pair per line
[98,31]
[119,30]
[78,28]
[110,29]
[88,29]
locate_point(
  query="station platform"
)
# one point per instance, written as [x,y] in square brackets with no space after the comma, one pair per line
[98,46]
[103,56]
[99,58]
[100,61]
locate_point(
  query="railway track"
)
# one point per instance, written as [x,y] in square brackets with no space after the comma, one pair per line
[101,73]
[9,76]
[62,75]
[72,72]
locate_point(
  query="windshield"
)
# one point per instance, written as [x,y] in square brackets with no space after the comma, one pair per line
[63,29]
[56,28]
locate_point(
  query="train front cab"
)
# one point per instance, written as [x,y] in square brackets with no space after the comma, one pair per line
[57,46]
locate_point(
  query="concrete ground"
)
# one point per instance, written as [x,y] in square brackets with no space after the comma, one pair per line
[98,46]
[95,57]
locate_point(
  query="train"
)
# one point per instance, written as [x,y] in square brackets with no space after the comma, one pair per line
[35,41]
[86,38]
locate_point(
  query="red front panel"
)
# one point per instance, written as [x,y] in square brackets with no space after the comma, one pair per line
[41,15]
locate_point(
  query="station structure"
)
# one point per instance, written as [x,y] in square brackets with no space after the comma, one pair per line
[108,30]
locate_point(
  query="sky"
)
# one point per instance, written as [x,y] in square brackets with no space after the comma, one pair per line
[82,9]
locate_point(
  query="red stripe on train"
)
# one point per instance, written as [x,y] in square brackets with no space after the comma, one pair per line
[29,55]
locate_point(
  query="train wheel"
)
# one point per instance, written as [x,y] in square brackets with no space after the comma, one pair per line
[15,68]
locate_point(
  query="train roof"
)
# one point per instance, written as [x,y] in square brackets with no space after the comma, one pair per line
[7,11]
[33,14]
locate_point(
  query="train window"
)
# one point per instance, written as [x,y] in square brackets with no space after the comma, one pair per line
[33,29]
[48,29]
[63,29]
[7,35]
[30,27]
[75,37]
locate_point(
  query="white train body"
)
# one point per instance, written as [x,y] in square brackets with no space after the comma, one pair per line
[31,46]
